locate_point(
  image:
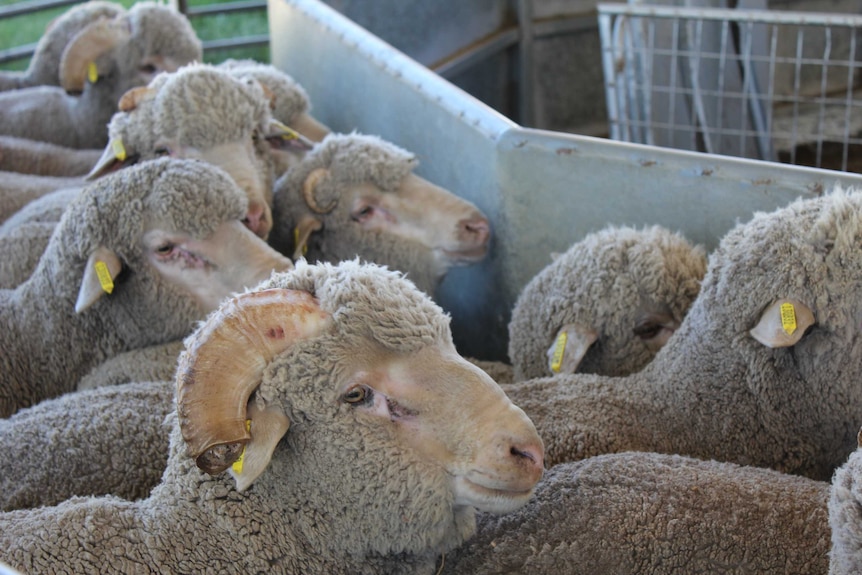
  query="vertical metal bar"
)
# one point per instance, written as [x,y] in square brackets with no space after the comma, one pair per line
[824,76]
[773,49]
[698,115]
[797,80]
[745,95]
[608,65]
[722,70]
[526,104]
[674,63]
[755,104]
[848,103]
[648,88]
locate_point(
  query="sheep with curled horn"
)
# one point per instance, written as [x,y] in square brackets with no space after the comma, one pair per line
[356,195]
[136,260]
[341,368]
[106,59]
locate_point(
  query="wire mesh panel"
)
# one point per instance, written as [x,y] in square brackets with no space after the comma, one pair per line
[778,86]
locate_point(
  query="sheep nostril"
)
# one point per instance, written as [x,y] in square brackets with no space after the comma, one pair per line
[477,229]
[254,219]
[531,454]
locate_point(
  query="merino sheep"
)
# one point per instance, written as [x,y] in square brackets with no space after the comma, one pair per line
[43,159]
[733,383]
[656,514]
[845,516]
[137,258]
[17,190]
[606,305]
[289,103]
[364,189]
[44,68]
[360,367]
[104,61]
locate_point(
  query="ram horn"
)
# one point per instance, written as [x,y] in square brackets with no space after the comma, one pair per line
[94,40]
[308,188]
[223,364]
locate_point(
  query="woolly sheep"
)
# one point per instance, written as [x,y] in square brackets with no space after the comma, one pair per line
[43,159]
[289,103]
[44,67]
[365,189]
[197,112]
[617,295]
[845,516]
[172,228]
[22,248]
[358,365]
[18,190]
[733,384]
[656,514]
[120,53]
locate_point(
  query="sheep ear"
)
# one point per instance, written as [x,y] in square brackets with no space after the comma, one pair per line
[783,323]
[303,230]
[281,137]
[115,157]
[267,427]
[570,346]
[101,270]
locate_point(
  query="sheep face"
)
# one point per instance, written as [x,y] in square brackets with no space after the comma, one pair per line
[361,193]
[380,408]
[171,260]
[206,114]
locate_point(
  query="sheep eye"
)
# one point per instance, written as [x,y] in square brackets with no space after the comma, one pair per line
[647,331]
[148,69]
[165,249]
[362,213]
[358,394]
[162,151]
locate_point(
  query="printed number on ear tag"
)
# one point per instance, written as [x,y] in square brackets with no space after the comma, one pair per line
[104,276]
[788,318]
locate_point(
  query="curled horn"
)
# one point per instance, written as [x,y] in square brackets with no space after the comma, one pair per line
[94,40]
[308,186]
[223,365]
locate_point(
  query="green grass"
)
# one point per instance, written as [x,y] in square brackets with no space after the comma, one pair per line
[22,30]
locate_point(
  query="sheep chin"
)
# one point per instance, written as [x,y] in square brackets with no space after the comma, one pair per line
[489,499]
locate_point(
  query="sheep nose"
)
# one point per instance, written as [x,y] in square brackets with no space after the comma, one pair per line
[530,456]
[475,230]
[255,220]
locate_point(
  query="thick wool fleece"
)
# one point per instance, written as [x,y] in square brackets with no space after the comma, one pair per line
[48,114]
[351,159]
[845,517]
[341,494]
[289,99]
[44,67]
[18,190]
[714,391]
[24,245]
[652,514]
[43,159]
[56,449]
[47,346]
[607,282]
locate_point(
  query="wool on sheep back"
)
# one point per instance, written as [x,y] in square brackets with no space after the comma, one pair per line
[764,369]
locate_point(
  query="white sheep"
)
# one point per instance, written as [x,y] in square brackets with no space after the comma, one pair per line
[17,190]
[656,514]
[43,159]
[356,195]
[104,61]
[845,516]
[764,369]
[356,441]
[606,305]
[137,258]
[60,35]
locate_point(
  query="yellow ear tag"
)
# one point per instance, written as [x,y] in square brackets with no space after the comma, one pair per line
[237,465]
[92,73]
[788,318]
[289,133]
[119,149]
[559,351]
[104,276]
[296,240]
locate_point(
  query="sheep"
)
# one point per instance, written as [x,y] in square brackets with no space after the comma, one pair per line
[197,112]
[23,248]
[137,258]
[845,518]
[342,368]
[656,514]
[44,68]
[43,159]
[361,192]
[104,61]
[289,103]
[606,305]
[18,190]
[733,383]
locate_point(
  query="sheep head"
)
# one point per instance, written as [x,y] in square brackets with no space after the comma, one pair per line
[360,191]
[203,113]
[357,359]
